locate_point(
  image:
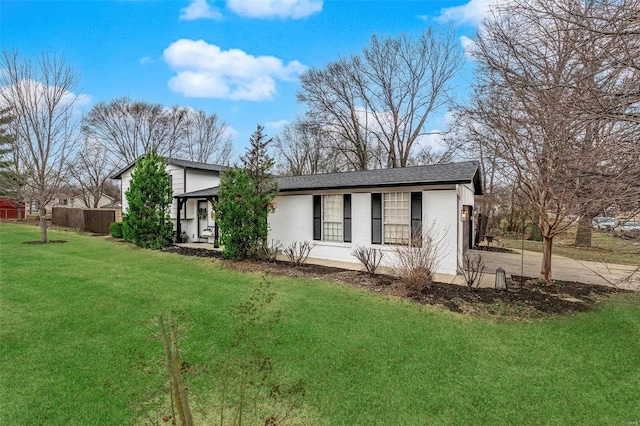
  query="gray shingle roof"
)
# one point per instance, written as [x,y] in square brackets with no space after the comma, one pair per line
[451,173]
[176,162]
[406,176]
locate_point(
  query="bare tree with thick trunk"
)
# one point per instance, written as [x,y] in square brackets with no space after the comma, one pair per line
[384,96]
[41,96]
[535,78]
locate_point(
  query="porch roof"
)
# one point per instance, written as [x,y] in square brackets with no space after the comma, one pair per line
[202,193]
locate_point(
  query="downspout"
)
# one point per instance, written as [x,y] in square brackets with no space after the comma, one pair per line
[458,224]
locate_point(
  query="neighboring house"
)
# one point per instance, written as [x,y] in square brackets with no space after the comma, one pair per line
[67,199]
[339,211]
[191,214]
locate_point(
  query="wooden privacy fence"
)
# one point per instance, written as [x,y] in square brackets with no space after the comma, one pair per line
[92,220]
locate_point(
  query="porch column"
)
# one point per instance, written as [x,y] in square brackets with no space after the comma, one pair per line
[178,224]
[216,234]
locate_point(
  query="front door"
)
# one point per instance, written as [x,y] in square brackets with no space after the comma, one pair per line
[203,216]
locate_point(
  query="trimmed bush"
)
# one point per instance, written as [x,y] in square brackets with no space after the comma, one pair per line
[115,229]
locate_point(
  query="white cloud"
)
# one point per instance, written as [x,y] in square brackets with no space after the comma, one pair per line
[294,9]
[37,92]
[146,60]
[206,71]
[467,45]
[276,125]
[470,13]
[199,9]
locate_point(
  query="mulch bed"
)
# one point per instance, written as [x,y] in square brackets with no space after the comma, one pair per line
[532,300]
[494,249]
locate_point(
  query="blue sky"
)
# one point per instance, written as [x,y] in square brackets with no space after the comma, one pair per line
[238,58]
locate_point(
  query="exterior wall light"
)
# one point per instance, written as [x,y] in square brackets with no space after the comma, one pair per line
[464,215]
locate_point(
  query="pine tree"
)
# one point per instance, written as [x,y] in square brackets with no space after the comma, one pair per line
[147,222]
[7,175]
[258,163]
[245,201]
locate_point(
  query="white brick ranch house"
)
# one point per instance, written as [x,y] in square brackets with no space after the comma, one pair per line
[339,211]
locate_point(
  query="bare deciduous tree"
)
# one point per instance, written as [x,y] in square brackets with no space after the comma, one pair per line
[205,139]
[89,173]
[303,148]
[534,80]
[129,129]
[41,96]
[335,105]
[384,96]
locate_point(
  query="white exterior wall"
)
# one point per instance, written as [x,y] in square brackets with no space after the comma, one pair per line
[293,221]
[440,208]
[195,181]
[125,179]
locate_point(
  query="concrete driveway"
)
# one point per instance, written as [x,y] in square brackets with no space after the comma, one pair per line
[528,263]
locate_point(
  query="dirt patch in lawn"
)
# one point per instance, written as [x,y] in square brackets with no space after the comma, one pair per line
[44,242]
[529,300]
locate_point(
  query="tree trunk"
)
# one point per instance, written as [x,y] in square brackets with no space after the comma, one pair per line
[545,272]
[584,232]
[43,225]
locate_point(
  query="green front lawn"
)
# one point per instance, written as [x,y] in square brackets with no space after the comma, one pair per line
[78,345]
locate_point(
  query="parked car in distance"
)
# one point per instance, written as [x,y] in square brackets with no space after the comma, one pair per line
[628,225]
[604,223]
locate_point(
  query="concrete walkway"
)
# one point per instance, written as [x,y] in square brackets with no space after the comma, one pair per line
[563,268]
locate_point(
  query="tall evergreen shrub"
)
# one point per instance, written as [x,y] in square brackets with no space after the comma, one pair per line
[245,201]
[147,222]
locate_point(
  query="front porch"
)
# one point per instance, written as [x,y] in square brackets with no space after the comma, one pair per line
[195,217]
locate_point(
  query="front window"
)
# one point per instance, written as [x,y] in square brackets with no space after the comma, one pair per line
[332,218]
[396,224]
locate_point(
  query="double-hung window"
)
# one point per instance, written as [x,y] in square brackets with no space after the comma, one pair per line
[332,217]
[396,218]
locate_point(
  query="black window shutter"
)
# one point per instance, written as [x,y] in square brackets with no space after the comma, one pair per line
[416,216]
[376,218]
[346,218]
[317,217]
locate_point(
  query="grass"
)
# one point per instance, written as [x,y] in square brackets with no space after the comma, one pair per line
[604,248]
[78,345]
